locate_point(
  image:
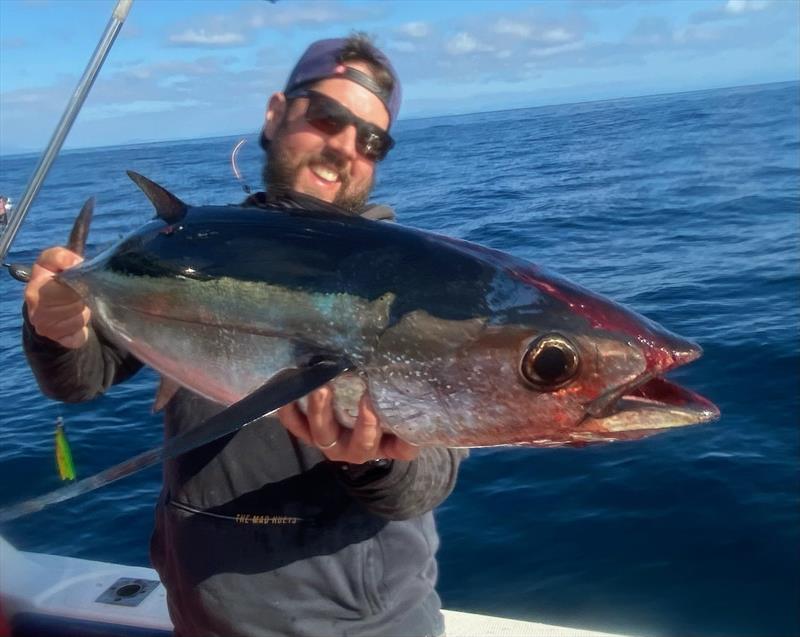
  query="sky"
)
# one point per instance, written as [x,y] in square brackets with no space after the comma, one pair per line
[183,69]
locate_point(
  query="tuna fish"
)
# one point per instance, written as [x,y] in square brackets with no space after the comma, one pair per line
[457,344]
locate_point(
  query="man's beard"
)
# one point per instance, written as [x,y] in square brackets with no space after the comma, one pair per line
[280,173]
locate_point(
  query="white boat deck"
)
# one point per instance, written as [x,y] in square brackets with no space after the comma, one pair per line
[67,588]
[460,624]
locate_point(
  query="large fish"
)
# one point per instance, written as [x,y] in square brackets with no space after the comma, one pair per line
[457,344]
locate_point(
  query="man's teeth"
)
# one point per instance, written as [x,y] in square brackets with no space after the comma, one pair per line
[325,173]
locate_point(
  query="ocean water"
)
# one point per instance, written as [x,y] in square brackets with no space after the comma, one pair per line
[685,207]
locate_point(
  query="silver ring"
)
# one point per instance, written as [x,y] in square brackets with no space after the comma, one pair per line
[330,446]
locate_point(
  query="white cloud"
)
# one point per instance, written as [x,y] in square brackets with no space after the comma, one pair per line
[520,29]
[742,6]
[22,97]
[168,70]
[141,73]
[463,43]
[549,51]
[415,29]
[202,37]
[103,111]
[504,26]
[557,35]
[244,24]
[733,9]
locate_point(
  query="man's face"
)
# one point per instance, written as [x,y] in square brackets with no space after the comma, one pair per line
[310,161]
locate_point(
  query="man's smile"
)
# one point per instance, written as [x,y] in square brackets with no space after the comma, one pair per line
[325,173]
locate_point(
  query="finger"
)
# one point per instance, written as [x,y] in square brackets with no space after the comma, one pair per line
[293,419]
[43,291]
[58,259]
[325,430]
[49,262]
[54,292]
[398,449]
[75,341]
[366,432]
[59,322]
[360,444]
[68,327]
[46,315]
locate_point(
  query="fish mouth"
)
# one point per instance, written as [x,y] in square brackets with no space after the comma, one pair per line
[646,405]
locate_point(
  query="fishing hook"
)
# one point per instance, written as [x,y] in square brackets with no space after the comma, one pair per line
[235,168]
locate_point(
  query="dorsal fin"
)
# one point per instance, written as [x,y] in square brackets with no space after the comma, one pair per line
[80,228]
[168,206]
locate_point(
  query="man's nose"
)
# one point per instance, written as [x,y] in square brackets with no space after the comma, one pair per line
[344,142]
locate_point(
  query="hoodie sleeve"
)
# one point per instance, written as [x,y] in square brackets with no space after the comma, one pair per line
[75,375]
[405,490]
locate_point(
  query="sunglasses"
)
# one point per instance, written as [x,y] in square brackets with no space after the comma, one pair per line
[330,117]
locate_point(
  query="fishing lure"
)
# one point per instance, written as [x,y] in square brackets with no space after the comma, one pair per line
[66,468]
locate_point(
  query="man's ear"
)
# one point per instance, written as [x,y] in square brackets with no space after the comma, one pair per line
[276,111]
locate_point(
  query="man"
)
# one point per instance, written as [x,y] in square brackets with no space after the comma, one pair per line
[295,525]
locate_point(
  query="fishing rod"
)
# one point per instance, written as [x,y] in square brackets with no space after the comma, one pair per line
[17,215]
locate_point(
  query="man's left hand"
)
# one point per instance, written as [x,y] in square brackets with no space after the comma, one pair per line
[319,428]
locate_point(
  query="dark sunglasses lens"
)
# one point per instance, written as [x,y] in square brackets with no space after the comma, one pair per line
[372,143]
[325,117]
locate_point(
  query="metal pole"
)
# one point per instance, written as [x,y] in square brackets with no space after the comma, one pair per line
[17,215]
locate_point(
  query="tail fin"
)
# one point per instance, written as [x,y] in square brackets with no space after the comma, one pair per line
[76,241]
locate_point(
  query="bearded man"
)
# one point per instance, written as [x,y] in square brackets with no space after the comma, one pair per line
[294,525]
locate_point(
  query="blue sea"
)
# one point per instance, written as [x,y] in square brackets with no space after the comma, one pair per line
[685,207]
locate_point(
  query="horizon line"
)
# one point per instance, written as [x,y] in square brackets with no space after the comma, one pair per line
[23,153]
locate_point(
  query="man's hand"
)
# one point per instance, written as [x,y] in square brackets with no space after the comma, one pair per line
[319,428]
[55,310]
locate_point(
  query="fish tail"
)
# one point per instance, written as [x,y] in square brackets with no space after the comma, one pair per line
[80,229]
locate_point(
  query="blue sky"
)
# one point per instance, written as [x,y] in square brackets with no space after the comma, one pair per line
[199,68]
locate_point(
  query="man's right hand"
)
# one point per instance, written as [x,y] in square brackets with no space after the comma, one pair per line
[55,310]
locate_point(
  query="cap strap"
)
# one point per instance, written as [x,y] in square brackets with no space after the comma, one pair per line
[354,75]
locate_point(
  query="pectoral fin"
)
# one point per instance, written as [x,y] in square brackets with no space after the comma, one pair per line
[283,388]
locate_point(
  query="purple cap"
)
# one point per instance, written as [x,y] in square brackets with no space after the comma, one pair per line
[322,60]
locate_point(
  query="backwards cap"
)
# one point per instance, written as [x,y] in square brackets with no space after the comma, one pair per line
[323,60]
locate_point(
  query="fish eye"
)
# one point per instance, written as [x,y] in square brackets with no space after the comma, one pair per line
[549,362]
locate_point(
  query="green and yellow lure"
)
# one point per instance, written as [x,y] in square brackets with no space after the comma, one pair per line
[66,468]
